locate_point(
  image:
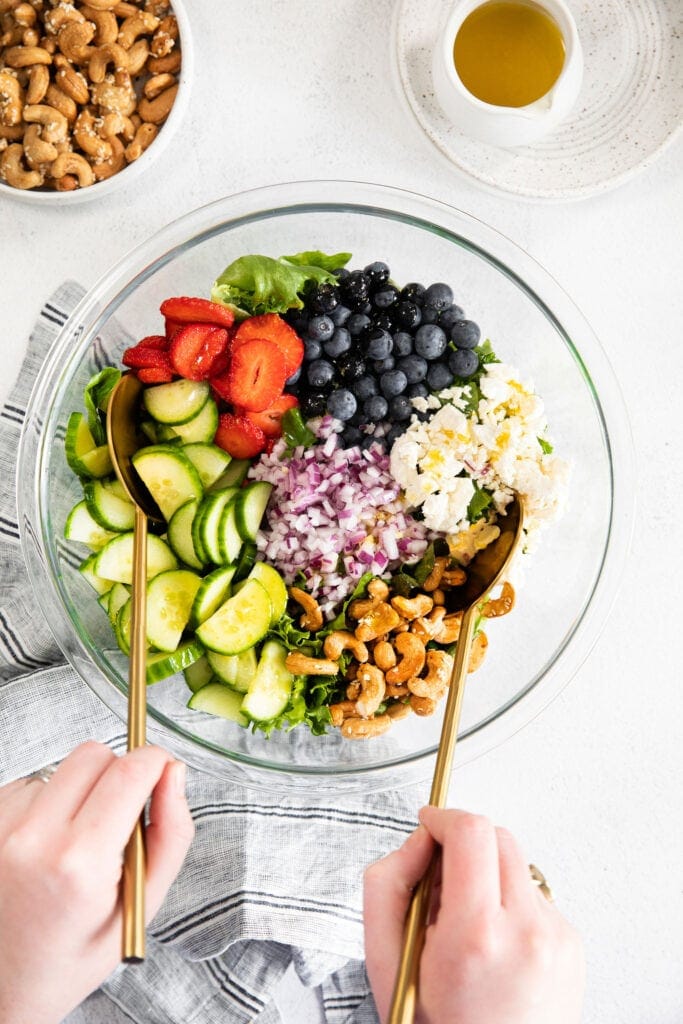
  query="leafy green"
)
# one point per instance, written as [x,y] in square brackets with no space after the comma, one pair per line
[295,431]
[479,502]
[95,398]
[288,633]
[486,353]
[253,285]
[319,259]
[546,446]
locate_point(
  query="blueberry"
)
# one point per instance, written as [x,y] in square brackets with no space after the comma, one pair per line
[354,290]
[465,333]
[439,295]
[449,315]
[377,274]
[430,341]
[417,390]
[400,408]
[313,404]
[385,296]
[320,328]
[342,404]
[378,343]
[413,292]
[350,366]
[367,308]
[357,323]
[430,314]
[323,298]
[339,342]
[463,362]
[291,381]
[364,387]
[298,319]
[392,383]
[312,350]
[414,367]
[406,315]
[340,315]
[394,433]
[375,408]
[320,373]
[439,377]
[403,344]
[381,366]
[351,437]
[340,273]
[383,321]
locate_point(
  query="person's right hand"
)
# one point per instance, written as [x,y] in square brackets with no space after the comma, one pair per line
[496,952]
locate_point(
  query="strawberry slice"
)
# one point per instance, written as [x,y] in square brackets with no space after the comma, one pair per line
[195,349]
[148,353]
[154,375]
[188,310]
[172,327]
[239,436]
[273,328]
[256,375]
[270,420]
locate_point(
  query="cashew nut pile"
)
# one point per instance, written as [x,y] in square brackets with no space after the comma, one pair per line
[84,87]
[391,665]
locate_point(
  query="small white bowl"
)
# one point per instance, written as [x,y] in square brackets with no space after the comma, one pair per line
[139,166]
[507,126]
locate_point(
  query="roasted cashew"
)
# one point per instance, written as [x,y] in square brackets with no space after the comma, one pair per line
[144,137]
[11,99]
[164,39]
[61,102]
[8,5]
[450,629]
[372,688]
[397,690]
[117,124]
[59,16]
[454,577]
[435,683]
[73,163]
[156,84]
[36,150]
[140,23]
[428,626]
[384,655]
[66,184]
[353,691]
[301,665]
[500,605]
[438,596]
[38,82]
[24,14]
[30,37]
[478,652]
[398,710]
[12,34]
[137,55]
[11,133]
[25,56]
[102,5]
[378,589]
[102,56]
[159,65]
[312,618]
[71,81]
[412,651]
[365,728]
[73,39]
[157,7]
[88,139]
[54,124]
[344,709]
[422,706]
[13,171]
[412,608]
[342,640]
[49,43]
[434,578]
[125,10]
[380,619]
[113,164]
[118,97]
[106,25]
[157,110]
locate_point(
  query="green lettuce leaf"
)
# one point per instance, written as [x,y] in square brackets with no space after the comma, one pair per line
[295,431]
[253,285]
[546,446]
[319,259]
[479,502]
[95,399]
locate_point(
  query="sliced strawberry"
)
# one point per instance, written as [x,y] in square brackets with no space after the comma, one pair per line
[154,375]
[146,355]
[256,375]
[239,436]
[273,328]
[270,420]
[172,327]
[220,387]
[195,349]
[197,311]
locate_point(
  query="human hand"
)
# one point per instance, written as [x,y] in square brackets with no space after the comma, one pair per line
[61,849]
[496,952]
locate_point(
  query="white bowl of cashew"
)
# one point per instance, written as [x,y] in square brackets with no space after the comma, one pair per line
[131,170]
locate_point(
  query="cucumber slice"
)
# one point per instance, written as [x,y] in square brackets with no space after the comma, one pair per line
[208,459]
[180,534]
[177,402]
[240,622]
[81,526]
[202,427]
[275,585]
[97,463]
[118,595]
[107,509]
[271,687]
[87,570]
[219,700]
[103,601]
[114,485]
[245,561]
[83,457]
[170,478]
[198,674]
[224,666]
[250,508]
[214,590]
[229,540]
[160,666]
[210,520]
[169,600]
[122,626]
[151,431]
[115,560]
[234,474]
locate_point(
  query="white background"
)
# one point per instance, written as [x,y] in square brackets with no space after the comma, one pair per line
[293,90]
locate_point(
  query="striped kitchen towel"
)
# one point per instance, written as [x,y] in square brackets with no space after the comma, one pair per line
[269,884]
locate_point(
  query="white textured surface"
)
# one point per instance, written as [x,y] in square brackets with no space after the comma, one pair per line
[593,787]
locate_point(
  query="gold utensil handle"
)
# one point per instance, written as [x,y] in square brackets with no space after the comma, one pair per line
[404,1000]
[134,860]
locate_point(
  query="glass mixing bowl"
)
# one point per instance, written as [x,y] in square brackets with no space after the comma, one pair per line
[569,583]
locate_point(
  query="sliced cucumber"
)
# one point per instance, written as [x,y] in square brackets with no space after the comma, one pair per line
[82,455]
[229,540]
[122,626]
[234,474]
[224,666]
[219,700]
[245,561]
[271,687]
[177,402]
[107,509]
[114,485]
[275,585]
[202,427]
[250,507]
[118,595]
[97,463]
[240,622]
[87,570]
[160,666]
[210,518]
[170,478]
[115,560]
[214,590]
[208,459]
[81,526]
[198,674]
[180,534]
[103,601]
[169,600]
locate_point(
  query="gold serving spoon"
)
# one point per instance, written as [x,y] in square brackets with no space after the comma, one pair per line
[124,440]
[483,573]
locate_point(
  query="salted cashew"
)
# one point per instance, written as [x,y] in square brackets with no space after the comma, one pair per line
[13,171]
[398,711]
[125,10]
[397,690]
[428,626]
[156,84]
[438,596]
[114,163]
[478,652]
[24,14]
[106,25]
[164,39]
[59,16]
[11,99]
[38,82]
[412,608]
[380,619]
[500,605]
[36,150]
[87,137]
[157,7]
[61,102]
[66,184]
[365,728]
[73,163]
[412,651]
[54,124]
[157,110]
[11,133]
[159,65]
[108,53]
[49,43]
[137,56]
[435,683]
[450,629]
[71,81]
[342,640]
[372,688]
[434,578]
[12,34]
[339,712]
[384,655]
[422,706]
[25,56]
[301,665]
[353,691]
[30,37]
[143,138]
[103,5]
[454,577]
[117,96]
[117,124]
[140,23]
[313,617]
[8,5]
[73,40]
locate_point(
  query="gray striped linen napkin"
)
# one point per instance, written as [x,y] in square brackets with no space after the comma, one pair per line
[269,883]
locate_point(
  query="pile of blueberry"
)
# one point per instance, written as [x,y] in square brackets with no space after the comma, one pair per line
[371,347]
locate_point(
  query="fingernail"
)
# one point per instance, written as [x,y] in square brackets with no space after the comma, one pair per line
[179,773]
